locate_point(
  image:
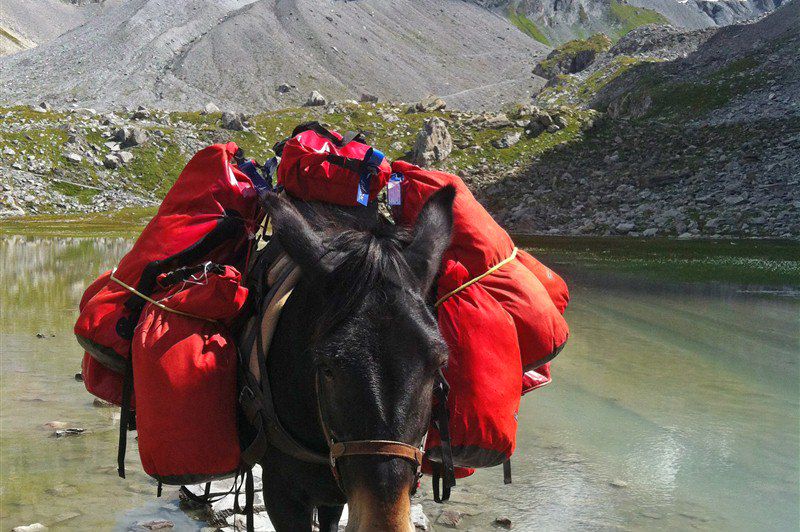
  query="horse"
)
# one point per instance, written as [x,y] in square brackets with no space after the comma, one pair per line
[354,357]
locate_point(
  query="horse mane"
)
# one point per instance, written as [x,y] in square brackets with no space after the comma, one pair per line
[365,252]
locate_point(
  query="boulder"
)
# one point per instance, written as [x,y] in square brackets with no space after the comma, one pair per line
[316,99]
[431,104]
[433,143]
[210,108]
[507,140]
[368,98]
[73,158]
[124,156]
[232,121]
[283,88]
[141,113]
[29,528]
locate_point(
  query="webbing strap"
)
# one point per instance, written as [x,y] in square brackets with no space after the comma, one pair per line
[124,416]
[154,302]
[478,278]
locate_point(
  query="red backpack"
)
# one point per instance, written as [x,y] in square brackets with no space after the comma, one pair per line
[322,165]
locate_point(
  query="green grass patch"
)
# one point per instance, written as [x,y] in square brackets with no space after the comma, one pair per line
[154,169]
[527,26]
[127,222]
[82,194]
[627,17]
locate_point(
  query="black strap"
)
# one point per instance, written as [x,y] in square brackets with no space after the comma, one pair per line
[507,471]
[125,416]
[249,496]
[158,489]
[441,420]
[321,130]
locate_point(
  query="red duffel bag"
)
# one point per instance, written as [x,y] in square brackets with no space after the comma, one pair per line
[479,243]
[99,380]
[322,165]
[204,216]
[184,369]
[485,376]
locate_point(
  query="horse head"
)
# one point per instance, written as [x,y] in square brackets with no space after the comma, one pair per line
[375,344]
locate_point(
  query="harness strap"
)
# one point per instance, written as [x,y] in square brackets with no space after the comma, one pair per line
[478,278]
[441,420]
[125,416]
[154,302]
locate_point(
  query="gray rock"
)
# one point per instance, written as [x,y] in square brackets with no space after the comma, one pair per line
[73,158]
[428,105]
[210,108]
[29,528]
[74,431]
[135,137]
[156,524]
[507,140]
[618,483]
[544,119]
[141,113]
[552,128]
[232,121]
[450,518]
[283,88]
[316,99]
[433,143]
[503,522]
[368,98]
[111,161]
[625,227]
[124,156]
[650,231]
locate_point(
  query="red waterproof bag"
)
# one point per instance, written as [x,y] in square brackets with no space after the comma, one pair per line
[484,372]
[531,293]
[204,216]
[184,370]
[322,165]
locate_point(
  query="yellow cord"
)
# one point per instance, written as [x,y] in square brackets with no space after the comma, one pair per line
[478,278]
[154,302]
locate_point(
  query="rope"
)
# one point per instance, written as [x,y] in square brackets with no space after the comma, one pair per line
[478,278]
[156,303]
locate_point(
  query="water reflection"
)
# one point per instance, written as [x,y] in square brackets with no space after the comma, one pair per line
[671,409]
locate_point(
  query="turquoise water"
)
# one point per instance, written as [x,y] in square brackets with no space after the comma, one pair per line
[673,407]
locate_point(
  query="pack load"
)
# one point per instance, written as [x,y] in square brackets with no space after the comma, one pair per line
[321,165]
[493,300]
[206,215]
[155,334]
[184,374]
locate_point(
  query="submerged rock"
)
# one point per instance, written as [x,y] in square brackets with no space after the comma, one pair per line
[29,528]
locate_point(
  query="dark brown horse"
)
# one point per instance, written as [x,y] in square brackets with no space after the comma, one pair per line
[358,344]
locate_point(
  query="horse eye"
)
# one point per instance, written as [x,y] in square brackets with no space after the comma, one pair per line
[327,372]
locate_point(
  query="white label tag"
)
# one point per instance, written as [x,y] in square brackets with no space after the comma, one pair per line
[394,191]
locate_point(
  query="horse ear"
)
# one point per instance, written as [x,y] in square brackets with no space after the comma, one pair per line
[431,237]
[300,241]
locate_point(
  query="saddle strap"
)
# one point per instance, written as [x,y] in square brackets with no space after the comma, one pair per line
[376,447]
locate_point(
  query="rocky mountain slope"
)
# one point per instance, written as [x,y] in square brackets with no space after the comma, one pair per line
[705,143]
[252,55]
[557,21]
[28,23]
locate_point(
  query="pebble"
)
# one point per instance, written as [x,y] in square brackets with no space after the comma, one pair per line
[29,528]
[156,524]
[503,522]
[450,518]
[63,433]
[617,483]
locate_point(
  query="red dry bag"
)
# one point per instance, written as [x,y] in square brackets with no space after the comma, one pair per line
[184,369]
[322,165]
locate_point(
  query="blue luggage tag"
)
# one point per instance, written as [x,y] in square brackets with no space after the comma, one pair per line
[373,160]
[394,191]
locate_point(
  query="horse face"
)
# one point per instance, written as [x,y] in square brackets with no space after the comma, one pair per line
[376,364]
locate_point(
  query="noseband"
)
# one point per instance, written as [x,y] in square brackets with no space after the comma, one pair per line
[390,448]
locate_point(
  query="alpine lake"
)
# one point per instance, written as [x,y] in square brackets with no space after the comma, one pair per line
[674,406]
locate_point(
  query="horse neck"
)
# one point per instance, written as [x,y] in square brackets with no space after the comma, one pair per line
[291,368]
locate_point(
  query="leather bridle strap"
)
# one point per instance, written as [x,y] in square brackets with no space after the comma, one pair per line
[376,447]
[342,449]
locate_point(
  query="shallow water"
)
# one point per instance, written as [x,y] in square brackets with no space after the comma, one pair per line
[673,407]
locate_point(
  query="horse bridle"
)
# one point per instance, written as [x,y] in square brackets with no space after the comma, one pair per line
[341,449]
